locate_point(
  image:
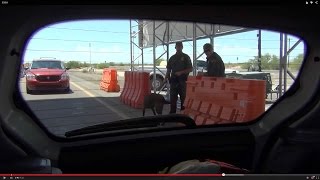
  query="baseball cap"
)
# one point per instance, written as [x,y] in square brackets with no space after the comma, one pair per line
[207,46]
[179,44]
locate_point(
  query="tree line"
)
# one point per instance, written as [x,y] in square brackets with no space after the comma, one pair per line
[271,62]
[268,62]
[77,64]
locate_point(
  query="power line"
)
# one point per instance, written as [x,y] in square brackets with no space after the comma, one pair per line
[97,52]
[86,41]
[53,50]
[237,55]
[93,30]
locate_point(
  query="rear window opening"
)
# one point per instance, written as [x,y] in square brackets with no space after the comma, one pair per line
[79,74]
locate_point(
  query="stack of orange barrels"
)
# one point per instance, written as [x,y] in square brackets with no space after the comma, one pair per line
[109,80]
[222,100]
[136,87]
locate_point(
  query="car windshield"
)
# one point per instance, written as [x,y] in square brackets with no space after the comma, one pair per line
[201,63]
[47,64]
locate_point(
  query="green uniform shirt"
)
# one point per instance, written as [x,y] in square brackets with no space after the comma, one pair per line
[215,66]
[179,62]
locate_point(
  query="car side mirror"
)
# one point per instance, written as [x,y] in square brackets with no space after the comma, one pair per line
[67,68]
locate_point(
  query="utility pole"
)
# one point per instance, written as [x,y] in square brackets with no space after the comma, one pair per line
[259,49]
[90,52]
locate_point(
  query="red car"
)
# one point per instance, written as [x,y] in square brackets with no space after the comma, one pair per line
[47,75]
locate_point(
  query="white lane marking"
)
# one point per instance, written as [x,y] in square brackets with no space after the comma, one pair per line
[100,101]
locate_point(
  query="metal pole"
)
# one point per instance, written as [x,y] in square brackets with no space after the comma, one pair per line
[289,53]
[133,46]
[285,62]
[154,56]
[168,42]
[259,50]
[212,32]
[280,65]
[168,56]
[142,60]
[212,42]
[90,53]
[194,50]
[131,66]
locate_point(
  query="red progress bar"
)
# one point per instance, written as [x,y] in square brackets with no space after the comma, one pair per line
[106,175]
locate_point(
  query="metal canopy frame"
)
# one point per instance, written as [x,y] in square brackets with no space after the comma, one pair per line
[283,71]
[209,31]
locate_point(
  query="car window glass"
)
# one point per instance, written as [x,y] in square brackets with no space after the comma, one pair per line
[47,64]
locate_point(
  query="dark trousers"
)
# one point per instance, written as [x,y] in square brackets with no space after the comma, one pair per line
[179,88]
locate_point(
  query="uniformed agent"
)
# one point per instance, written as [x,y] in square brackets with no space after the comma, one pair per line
[178,69]
[215,65]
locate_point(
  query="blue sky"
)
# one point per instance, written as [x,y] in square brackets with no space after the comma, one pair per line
[110,42]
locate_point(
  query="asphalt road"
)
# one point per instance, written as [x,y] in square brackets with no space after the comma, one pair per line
[83,106]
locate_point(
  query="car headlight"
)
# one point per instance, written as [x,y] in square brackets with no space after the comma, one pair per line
[30,76]
[64,76]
